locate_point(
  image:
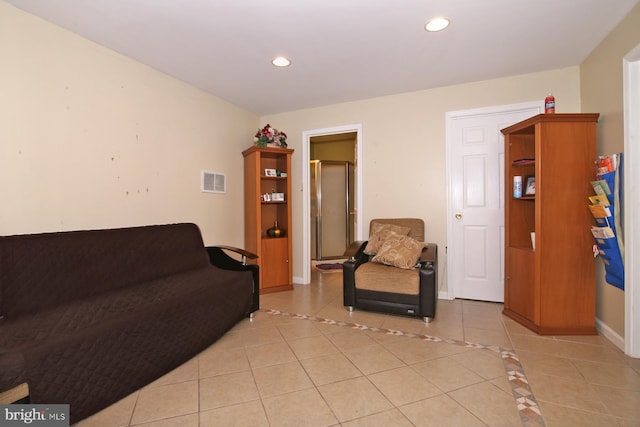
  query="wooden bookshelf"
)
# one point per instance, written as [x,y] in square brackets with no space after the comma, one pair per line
[551,290]
[274,253]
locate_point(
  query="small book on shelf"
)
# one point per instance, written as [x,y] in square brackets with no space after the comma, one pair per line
[600,211]
[601,187]
[602,232]
[599,199]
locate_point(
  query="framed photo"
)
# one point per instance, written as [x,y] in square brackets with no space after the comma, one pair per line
[270,172]
[531,186]
[277,197]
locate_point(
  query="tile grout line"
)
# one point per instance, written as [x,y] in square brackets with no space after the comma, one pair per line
[526,402]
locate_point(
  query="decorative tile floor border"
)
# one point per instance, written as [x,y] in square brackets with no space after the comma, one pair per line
[527,405]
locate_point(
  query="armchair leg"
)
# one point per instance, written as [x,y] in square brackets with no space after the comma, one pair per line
[428,319]
[350,308]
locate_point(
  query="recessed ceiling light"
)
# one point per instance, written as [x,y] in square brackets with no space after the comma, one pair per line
[437,24]
[281,61]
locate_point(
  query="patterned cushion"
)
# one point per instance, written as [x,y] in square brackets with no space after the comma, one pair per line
[379,233]
[399,251]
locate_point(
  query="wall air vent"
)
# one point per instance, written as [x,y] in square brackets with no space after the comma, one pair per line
[213,182]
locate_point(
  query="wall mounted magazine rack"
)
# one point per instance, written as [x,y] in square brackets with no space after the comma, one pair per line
[607,208]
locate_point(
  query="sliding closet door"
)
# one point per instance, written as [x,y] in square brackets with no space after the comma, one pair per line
[333,209]
[314,172]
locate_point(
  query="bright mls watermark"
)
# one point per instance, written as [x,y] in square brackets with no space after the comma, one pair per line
[34,415]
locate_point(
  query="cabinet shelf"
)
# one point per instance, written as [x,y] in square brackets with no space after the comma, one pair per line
[518,163]
[523,248]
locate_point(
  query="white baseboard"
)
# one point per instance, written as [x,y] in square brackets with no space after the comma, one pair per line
[610,334]
[444,295]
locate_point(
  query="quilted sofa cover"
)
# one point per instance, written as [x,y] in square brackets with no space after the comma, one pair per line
[87,317]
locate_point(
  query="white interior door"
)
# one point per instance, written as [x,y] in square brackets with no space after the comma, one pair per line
[475,148]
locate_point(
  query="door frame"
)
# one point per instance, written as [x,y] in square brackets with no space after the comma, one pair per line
[631,87]
[306,189]
[450,116]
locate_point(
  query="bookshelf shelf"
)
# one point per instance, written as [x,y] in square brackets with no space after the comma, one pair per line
[520,163]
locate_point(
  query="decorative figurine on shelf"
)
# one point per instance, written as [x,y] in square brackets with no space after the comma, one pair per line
[269,136]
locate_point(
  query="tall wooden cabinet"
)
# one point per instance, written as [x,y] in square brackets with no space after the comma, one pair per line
[550,289]
[267,172]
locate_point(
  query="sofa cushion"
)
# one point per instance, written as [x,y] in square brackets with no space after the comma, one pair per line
[399,251]
[379,233]
[373,276]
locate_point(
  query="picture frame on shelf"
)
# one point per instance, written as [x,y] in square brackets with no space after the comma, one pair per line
[277,197]
[530,189]
[270,172]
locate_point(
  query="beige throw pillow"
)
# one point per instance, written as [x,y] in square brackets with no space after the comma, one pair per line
[399,251]
[378,234]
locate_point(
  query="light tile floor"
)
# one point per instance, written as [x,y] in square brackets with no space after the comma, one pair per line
[305,361]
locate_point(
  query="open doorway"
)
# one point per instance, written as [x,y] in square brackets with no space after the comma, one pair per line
[331,145]
[332,210]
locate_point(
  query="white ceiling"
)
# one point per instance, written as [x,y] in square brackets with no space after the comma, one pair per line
[342,50]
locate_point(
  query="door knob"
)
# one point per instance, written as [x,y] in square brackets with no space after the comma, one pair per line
[458,215]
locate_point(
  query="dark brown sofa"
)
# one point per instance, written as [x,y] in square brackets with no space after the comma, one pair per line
[87,317]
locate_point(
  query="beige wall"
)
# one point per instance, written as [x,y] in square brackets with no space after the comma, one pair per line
[404,171]
[601,91]
[92,139]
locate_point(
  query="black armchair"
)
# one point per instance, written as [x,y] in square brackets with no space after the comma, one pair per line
[375,286]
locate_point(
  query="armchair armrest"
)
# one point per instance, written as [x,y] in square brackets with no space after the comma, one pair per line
[429,281]
[429,254]
[219,258]
[355,248]
[357,258]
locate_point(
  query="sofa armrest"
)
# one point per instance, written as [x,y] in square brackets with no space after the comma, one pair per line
[242,252]
[15,394]
[219,258]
